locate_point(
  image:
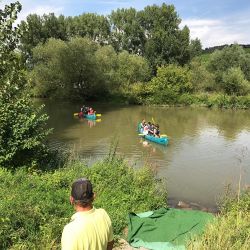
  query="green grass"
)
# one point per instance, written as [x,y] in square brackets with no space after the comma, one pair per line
[35,206]
[232,227]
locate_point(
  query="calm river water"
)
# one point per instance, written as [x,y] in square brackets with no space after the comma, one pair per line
[208,149]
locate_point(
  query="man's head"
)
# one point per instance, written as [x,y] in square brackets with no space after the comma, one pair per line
[82,192]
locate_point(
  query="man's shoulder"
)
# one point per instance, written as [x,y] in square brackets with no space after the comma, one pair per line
[101,211]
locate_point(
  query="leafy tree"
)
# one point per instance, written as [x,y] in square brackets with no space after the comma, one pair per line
[22,131]
[38,29]
[127,31]
[67,69]
[234,82]
[201,78]
[90,25]
[32,33]
[166,42]
[82,69]
[106,59]
[47,76]
[131,69]
[79,68]
[195,47]
[229,57]
[170,82]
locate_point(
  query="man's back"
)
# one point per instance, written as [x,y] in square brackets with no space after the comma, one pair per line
[88,230]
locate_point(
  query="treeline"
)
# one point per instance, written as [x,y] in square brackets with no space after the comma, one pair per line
[153,33]
[220,47]
[99,57]
[140,57]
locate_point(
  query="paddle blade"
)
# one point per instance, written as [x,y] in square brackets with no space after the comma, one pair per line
[75,114]
[98,115]
[153,120]
[164,136]
[98,120]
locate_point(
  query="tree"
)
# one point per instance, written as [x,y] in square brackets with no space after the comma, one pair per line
[67,69]
[38,29]
[22,131]
[170,82]
[230,57]
[234,82]
[47,77]
[166,42]
[201,78]
[195,48]
[127,32]
[131,69]
[32,30]
[89,25]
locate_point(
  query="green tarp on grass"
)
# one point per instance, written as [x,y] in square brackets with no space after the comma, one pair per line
[165,228]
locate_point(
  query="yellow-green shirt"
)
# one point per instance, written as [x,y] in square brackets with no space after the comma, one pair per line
[88,230]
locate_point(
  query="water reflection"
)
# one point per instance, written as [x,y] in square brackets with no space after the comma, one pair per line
[207,149]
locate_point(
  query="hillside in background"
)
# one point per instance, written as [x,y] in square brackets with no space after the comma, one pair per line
[212,49]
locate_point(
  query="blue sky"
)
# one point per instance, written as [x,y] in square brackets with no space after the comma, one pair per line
[214,22]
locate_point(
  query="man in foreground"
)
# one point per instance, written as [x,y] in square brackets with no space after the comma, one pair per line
[90,228]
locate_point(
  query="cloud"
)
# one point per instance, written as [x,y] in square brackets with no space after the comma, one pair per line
[213,32]
[37,7]
[40,10]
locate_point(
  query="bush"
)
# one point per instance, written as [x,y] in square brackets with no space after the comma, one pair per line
[170,82]
[234,82]
[201,78]
[42,200]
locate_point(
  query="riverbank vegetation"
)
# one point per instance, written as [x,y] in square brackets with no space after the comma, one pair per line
[42,200]
[137,57]
[34,187]
[231,229]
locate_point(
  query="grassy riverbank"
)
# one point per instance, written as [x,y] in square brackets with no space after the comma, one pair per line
[231,229]
[35,205]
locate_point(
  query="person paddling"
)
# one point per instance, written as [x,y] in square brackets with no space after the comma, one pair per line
[157,131]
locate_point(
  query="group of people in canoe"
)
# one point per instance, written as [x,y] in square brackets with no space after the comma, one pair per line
[148,128]
[86,111]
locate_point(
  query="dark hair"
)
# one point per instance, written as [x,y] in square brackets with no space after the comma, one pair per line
[82,192]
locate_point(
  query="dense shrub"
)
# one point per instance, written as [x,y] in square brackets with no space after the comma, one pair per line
[230,57]
[234,82]
[201,78]
[170,81]
[35,206]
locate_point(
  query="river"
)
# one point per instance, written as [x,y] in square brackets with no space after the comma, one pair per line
[208,148]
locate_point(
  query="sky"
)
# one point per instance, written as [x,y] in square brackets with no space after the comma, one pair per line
[214,22]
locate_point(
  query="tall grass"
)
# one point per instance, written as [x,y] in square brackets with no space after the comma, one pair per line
[35,205]
[231,230]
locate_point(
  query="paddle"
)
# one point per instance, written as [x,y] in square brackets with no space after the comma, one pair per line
[164,135]
[75,114]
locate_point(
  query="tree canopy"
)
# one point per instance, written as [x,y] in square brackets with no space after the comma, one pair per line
[22,131]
